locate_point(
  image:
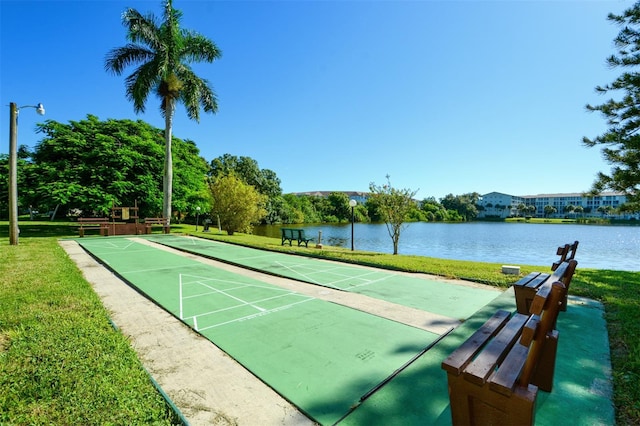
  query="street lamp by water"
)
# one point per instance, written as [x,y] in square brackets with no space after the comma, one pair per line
[352,204]
[14,231]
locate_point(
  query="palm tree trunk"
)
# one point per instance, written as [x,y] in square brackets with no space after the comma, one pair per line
[167,181]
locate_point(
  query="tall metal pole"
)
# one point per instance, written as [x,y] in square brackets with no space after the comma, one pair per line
[14,231]
[352,220]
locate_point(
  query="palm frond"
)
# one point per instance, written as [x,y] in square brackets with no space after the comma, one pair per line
[141,29]
[197,48]
[140,83]
[120,58]
[195,93]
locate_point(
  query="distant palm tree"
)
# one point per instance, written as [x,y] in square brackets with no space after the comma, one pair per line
[163,53]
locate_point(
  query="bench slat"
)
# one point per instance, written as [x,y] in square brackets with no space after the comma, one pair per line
[460,358]
[504,380]
[526,279]
[535,283]
[494,352]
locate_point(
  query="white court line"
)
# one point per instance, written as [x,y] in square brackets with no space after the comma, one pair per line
[361,278]
[264,256]
[167,268]
[256,315]
[235,298]
[201,279]
[118,253]
[337,282]
[299,273]
[108,244]
[180,295]
[284,290]
[230,308]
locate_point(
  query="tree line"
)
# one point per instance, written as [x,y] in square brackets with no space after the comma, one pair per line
[88,166]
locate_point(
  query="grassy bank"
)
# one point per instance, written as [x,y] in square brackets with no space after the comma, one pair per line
[61,361]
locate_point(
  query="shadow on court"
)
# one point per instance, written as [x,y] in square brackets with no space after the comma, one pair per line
[340,365]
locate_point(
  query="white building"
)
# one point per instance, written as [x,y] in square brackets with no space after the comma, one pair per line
[496,204]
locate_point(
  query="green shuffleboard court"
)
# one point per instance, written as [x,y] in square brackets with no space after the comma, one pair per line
[321,356]
[443,298]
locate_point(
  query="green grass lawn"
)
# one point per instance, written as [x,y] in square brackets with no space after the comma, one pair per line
[62,362]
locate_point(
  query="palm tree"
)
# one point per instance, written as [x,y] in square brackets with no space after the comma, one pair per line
[163,53]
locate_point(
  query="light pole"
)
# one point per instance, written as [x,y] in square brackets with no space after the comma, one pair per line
[352,204]
[14,231]
[197,217]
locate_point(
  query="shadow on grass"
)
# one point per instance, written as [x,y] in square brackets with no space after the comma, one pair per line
[620,293]
[41,229]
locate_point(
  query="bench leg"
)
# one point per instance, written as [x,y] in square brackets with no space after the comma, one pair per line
[543,376]
[479,405]
[81,232]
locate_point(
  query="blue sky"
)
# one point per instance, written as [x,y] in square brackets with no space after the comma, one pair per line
[443,96]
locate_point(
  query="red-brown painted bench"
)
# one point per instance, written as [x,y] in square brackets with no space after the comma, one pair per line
[100,223]
[149,222]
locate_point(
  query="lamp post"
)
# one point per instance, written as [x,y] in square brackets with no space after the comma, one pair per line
[197,217]
[14,231]
[352,204]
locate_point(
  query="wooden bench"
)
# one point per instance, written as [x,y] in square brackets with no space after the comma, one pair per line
[526,288]
[290,234]
[566,252]
[149,222]
[494,376]
[100,223]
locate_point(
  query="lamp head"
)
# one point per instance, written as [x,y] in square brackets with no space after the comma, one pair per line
[352,203]
[40,109]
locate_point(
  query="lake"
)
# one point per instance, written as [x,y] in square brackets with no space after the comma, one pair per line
[495,242]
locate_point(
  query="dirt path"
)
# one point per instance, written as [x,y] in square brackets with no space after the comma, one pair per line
[208,386]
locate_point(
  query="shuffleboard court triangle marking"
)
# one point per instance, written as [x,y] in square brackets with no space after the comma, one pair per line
[258,314]
[198,279]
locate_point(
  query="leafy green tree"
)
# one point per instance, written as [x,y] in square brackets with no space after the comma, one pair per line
[237,204]
[621,141]
[579,210]
[605,210]
[465,205]
[435,212]
[265,181]
[340,209]
[302,209]
[393,206]
[164,52]
[629,208]
[189,190]
[91,165]
[549,210]
[25,195]
[323,208]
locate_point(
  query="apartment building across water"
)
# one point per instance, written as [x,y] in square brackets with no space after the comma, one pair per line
[497,204]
